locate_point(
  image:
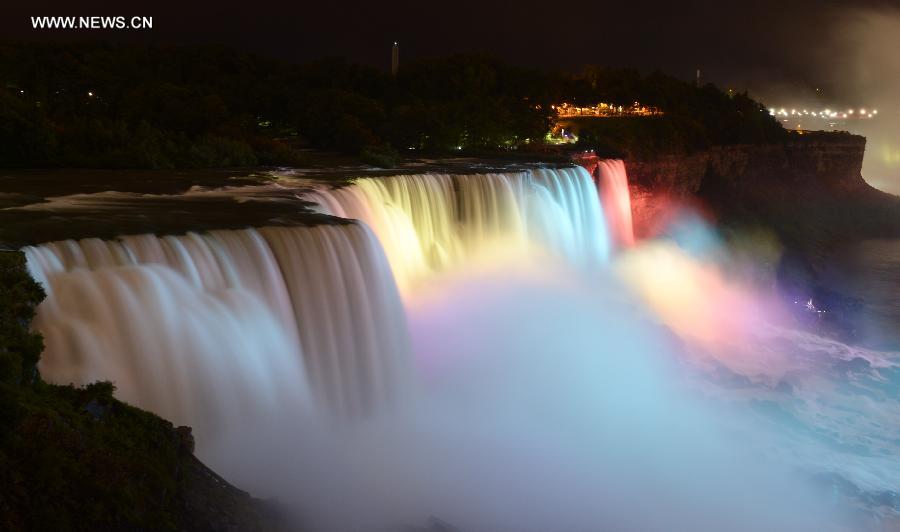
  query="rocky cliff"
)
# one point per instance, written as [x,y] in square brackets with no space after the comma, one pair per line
[809,190]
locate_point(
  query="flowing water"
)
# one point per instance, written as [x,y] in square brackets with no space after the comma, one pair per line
[612,182]
[188,325]
[434,222]
[870,272]
[511,360]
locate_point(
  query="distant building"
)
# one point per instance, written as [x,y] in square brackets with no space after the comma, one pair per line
[395,58]
[569,119]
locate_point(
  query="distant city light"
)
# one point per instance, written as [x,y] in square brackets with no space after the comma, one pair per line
[833,117]
[602,110]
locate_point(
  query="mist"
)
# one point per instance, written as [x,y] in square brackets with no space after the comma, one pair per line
[548,399]
[858,59]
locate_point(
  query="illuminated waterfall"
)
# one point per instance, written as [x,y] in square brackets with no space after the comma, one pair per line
[198,325]
[616,198]
[428,223]
[193,325]
[564,383]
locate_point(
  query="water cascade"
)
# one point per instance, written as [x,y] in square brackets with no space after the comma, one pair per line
[548,395]
[429,223]
[198,325]
[612,182]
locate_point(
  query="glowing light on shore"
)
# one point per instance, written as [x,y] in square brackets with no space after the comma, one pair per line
[603,110]
[828,114]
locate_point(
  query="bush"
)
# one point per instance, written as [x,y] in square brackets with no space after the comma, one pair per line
[212,151]
[102,106]
[382,156]
[20,348]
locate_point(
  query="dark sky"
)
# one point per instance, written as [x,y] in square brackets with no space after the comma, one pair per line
[764,46]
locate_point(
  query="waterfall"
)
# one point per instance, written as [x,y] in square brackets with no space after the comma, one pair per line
[560,395]
[431,222]
[612,182]
[194,326]
[199,326]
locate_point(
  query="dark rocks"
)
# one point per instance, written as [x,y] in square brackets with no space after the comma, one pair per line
[185,438]
[96,409]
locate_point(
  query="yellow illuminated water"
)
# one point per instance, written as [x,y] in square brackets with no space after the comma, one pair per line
[430,223]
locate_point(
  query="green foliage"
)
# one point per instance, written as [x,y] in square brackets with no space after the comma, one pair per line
[55,453]
[25,133]
[20,348]
[382,156]
[111,471]
[277,152]
[695,118]
[468,102]
[97,105]
[212,151]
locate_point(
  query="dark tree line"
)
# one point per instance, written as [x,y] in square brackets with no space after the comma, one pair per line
[116,106]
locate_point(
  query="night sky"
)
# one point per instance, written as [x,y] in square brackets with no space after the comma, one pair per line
[768,47]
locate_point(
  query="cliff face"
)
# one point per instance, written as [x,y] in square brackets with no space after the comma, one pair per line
[816,159]
[809,190]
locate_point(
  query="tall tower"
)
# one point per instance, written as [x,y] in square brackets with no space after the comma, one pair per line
[698,78]
[395,58]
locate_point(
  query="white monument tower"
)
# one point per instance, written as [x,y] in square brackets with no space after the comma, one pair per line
[395,58]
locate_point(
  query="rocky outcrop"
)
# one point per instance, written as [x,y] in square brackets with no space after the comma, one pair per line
[809,190]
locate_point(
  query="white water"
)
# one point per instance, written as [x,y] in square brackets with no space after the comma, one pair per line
[434,222]
[203,326]
[546,395]
[616,197]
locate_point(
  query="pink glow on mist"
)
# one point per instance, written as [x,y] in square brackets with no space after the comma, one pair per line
[697,301]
